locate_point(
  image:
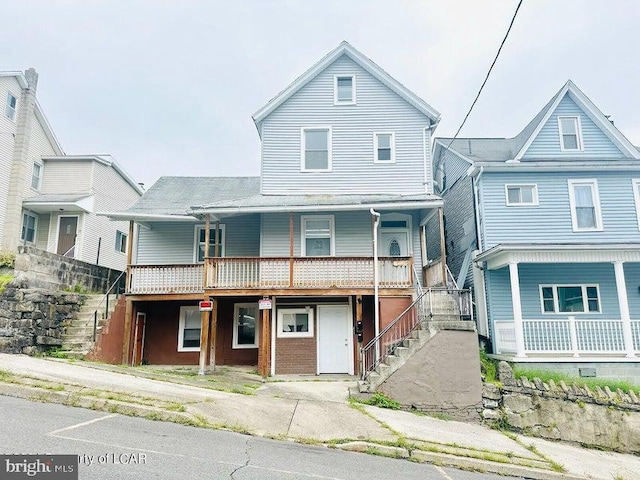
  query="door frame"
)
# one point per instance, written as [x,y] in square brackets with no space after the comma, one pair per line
[139,315]
[349,309]
[76,252]
[408,229]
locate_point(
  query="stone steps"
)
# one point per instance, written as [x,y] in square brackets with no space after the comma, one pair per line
[77,339]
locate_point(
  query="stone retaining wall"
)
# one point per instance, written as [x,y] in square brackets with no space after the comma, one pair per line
[597,418]
[32,319]
[47,270]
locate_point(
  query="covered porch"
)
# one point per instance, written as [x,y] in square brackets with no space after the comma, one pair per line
[559,303]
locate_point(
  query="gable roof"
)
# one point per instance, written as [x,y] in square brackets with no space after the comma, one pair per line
[500,150]
[528,135]
[366,63]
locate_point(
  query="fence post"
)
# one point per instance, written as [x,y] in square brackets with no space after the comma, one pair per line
[574,335]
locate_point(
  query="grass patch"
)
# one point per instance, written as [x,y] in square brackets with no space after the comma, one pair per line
[56,352]
[488,367]
[381,400]
[592,383]
[4,280]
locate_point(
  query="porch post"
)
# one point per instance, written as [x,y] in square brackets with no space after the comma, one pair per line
[207,239]
[216,248]
[290,249]
[625,316]
[264,344]
[443,246]
[517,309]
[213,335]
[204,340]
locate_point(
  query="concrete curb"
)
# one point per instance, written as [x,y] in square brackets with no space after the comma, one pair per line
[466,463]
[76,399]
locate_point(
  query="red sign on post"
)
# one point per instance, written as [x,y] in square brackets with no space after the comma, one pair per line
[206,305]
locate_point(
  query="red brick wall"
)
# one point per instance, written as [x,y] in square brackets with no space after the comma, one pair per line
[108,346]
[296,356]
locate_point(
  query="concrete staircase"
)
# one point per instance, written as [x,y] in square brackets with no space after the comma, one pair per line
[77,339]
[435,313]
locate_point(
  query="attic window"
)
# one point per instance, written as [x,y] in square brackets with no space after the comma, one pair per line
[344,89]
[570,133]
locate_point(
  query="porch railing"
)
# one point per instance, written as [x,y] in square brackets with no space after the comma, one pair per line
[271,272]
[566,336]
[431,304]
[149,279]
[307,272]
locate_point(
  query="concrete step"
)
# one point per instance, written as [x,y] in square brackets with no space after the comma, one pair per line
[403,352]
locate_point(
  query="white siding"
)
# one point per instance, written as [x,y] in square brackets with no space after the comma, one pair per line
[42,231]
[378,109]
[7,142]
[39,146]
[66,176]
[112,193]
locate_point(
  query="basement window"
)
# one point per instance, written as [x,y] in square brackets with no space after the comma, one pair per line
[189,329]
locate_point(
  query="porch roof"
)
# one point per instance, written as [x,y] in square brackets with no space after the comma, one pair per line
[55,202]
[304,203]
[501,255]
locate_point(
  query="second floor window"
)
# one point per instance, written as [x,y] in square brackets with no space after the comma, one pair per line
[521,195]
[585,205]
[36,175]
[10,111]
[384,148]
[317,236]
[316,149]
[570,138]
[213,239]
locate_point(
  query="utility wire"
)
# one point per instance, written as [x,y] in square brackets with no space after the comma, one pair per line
[513,19]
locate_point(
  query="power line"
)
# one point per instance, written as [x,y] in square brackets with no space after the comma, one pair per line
[513,19]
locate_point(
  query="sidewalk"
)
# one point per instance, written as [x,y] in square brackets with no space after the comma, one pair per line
[305,410]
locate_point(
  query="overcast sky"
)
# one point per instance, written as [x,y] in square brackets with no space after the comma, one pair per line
[169,87]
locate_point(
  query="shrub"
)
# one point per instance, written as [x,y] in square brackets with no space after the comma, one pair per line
[7,258]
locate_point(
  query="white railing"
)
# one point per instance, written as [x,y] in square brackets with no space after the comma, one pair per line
[635,333]
[566,336]
[149,279]
[505,337]
[307,272]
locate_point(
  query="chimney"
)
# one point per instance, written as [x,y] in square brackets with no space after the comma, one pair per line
[32,78]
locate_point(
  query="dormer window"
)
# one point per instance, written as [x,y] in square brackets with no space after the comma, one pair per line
[570,133]
[344,89]
[10,111]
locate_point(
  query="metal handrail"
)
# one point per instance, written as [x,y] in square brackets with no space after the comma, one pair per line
[401,331]
[72,247]
[105,297]
[450,277]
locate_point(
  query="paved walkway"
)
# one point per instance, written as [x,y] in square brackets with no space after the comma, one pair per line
[309,411]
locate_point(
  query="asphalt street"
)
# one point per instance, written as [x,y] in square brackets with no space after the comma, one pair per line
[112,446]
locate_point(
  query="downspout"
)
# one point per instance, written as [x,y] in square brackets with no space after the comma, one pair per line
[376,280]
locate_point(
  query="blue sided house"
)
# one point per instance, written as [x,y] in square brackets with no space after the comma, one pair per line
[546,227]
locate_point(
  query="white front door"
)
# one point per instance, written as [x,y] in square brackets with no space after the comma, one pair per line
[394,243]
[335,340]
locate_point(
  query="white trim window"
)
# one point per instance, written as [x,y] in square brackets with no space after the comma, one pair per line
[121,241]
[584,200]
[318,235]
[344,89]
[200,237]
[189,329]
[521,195]
[36,176]
[636,194]
[12,102]
[245,325]
[570,298]
[295,322]
[384,147]
[29,226]
[316,149]
[570,133]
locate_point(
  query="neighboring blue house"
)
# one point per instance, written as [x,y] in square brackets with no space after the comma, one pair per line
[346,168]
[546,226]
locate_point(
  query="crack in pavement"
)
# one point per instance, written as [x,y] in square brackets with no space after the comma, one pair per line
[292,415]
[246,452]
